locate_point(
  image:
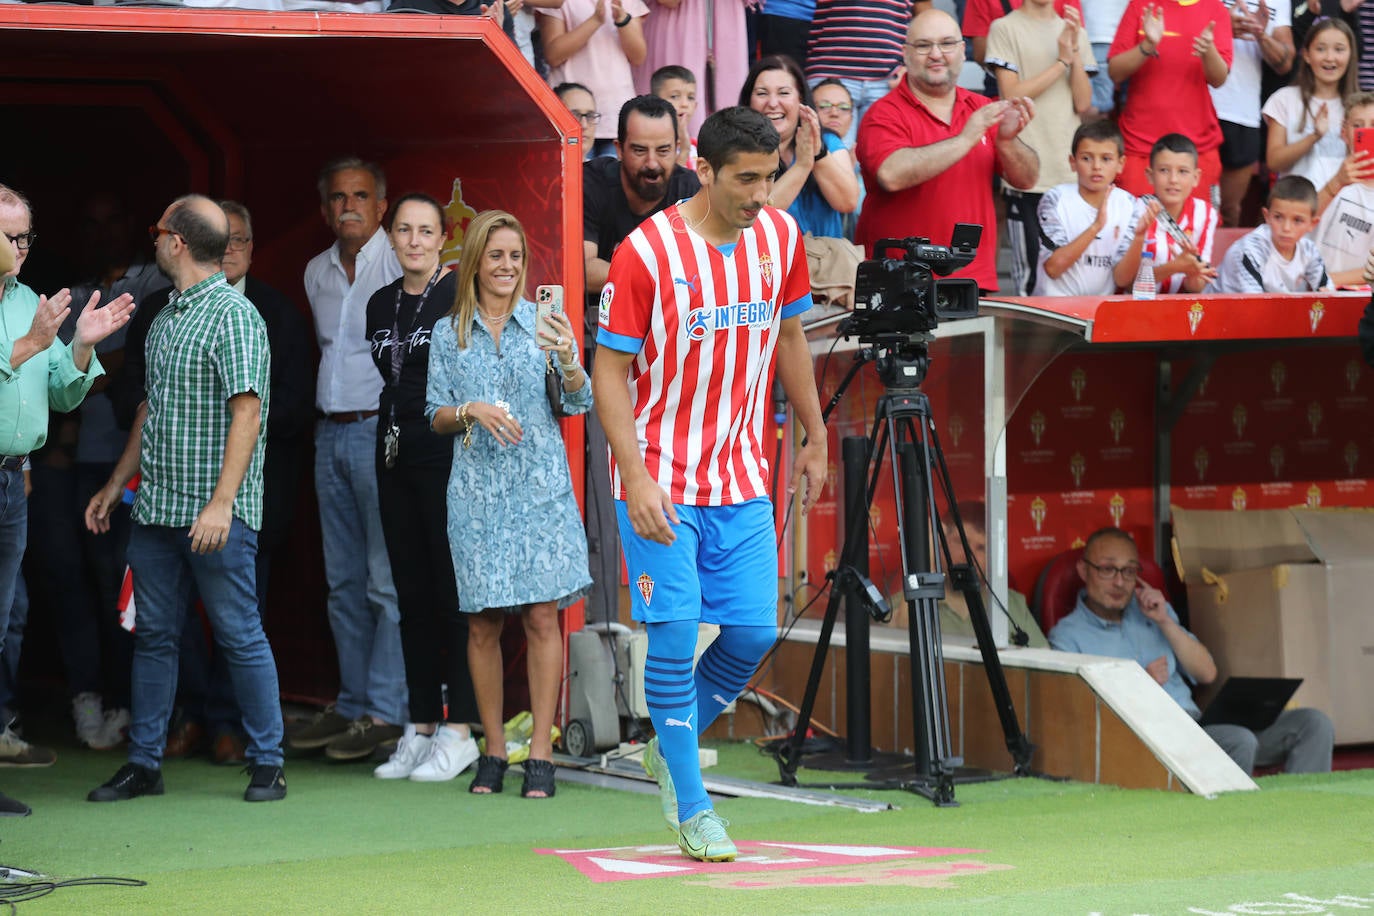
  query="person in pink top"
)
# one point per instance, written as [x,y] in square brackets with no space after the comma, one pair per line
[596,43]
[689,33]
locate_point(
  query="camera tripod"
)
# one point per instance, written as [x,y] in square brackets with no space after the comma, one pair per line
[904,433]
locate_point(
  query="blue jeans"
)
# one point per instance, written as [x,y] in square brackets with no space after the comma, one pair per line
[14,537]
[165,570]
[363,615]
[14,641]
[1103,87]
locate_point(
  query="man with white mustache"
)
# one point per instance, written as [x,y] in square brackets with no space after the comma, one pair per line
[363,615]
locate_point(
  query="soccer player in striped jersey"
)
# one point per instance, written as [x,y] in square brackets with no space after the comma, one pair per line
[1173,174]
[702,306]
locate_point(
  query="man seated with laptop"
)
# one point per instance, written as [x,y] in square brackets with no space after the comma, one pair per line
[1119,616]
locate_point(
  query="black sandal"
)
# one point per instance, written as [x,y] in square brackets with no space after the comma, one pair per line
[491,774]
[538,778]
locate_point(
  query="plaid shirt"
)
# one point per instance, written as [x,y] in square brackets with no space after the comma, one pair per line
[206,346]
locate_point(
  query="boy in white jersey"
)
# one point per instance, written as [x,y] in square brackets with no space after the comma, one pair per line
[1278,257]
[699,301]
[1346,233]
[1182,265]
[1088,227]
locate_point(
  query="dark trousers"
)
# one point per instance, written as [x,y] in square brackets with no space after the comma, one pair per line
[434,635]
[781,35]
[78,575]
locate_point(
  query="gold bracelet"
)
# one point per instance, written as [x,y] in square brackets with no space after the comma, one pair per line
[460,415]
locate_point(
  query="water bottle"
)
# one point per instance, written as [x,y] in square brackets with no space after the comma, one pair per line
[1144,285]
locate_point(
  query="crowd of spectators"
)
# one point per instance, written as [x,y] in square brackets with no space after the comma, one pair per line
[1103,134]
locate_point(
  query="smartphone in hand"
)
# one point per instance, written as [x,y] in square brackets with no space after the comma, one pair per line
[1364,141]
[548,301]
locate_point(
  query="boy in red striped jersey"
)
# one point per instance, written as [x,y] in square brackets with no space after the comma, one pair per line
[1180,266]
[702,305]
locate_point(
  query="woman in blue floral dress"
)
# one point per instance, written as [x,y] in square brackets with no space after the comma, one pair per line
[514,529]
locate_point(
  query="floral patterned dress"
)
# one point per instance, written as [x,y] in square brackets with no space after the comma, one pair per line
[514,529]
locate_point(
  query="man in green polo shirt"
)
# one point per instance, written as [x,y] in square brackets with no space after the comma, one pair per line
[37,372]
[199,503]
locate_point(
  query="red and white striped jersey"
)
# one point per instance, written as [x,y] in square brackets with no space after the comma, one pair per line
[1199,221]
[703,323]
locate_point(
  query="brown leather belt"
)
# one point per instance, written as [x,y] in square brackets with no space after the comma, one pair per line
[348,416]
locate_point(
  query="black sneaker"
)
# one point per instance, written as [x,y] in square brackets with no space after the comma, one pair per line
[131,781]
[265,783]
[13,807]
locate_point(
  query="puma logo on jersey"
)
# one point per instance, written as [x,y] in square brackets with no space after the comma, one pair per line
[720,699]
[690,284]
[678,722]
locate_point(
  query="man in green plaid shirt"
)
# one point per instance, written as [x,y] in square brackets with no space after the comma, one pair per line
[199,504]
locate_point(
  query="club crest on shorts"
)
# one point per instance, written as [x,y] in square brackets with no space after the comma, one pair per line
[645,584]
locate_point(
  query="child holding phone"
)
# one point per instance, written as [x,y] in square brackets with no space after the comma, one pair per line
[1345,234]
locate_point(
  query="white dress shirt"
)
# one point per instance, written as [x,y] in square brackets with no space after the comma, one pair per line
[348,380]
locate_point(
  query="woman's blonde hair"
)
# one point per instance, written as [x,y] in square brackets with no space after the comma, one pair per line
[475,241]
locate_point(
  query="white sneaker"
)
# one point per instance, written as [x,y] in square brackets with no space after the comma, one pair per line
[89,717]
[113,730]
[453,753]
[412,750]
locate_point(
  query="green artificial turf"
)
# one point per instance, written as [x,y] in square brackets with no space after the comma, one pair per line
[344,842]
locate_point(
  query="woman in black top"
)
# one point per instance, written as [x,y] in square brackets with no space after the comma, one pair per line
[412,477]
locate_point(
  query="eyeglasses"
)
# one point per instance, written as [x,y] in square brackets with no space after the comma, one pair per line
[842,106]
[926,48]
[24,240]
[586,117]
[239,242]
[1108,573]
[157,232]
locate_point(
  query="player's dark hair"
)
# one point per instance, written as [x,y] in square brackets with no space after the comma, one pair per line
[735,130]
[1103,131]
[1173,143]
[670,72]
[1295,188]
[651,106]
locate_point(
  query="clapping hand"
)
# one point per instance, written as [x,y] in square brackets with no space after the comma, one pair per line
[807,141]
[1148,214]
[48,318]
[1204,43]
[1068,36]
[1152,24]
[95,324]
[1016,114]
[1321,121]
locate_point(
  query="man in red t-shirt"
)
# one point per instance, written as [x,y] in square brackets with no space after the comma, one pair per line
[929,149]
[1171,52]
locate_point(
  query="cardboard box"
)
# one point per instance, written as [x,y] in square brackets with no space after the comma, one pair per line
[1286,593]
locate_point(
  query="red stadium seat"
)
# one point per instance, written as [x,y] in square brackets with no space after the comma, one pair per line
[1057,591]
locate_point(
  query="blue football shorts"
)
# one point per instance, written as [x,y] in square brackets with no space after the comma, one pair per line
[722,569]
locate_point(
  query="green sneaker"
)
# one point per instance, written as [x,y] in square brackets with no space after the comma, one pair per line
[657,767]
[702,837]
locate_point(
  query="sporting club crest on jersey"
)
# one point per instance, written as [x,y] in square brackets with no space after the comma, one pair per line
[645,584]
[607,294]
[766,268]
